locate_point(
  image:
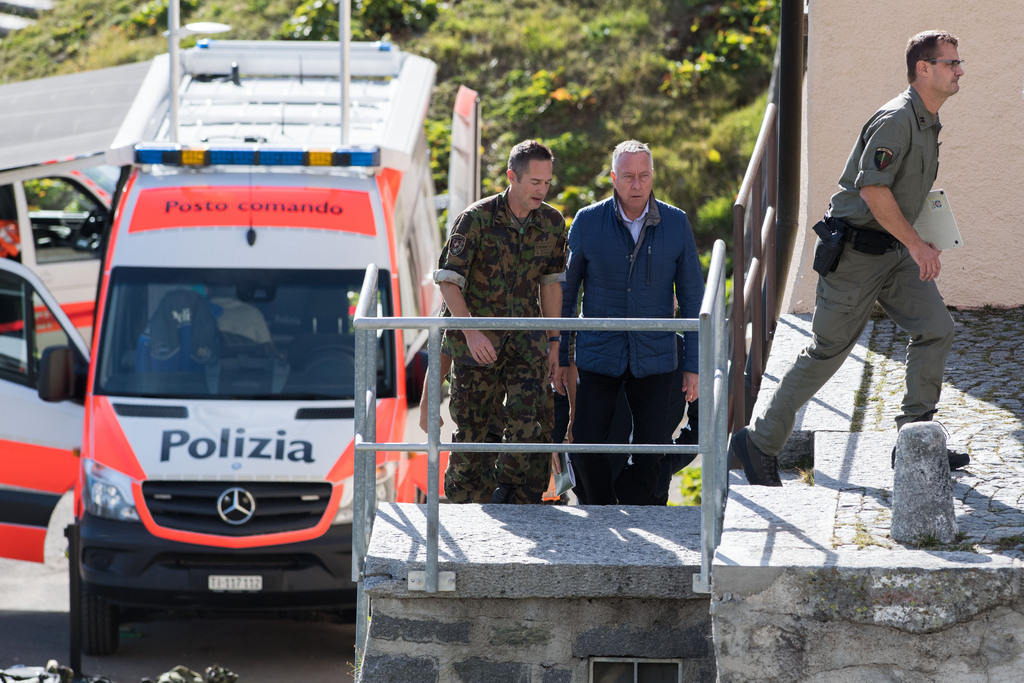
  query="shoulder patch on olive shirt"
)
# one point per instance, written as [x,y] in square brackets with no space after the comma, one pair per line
[883,157]
[456,244]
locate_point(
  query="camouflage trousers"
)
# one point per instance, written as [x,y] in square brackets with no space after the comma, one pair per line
[509,400]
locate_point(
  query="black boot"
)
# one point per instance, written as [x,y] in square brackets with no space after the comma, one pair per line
[504,494]
[761,469]
[957,460]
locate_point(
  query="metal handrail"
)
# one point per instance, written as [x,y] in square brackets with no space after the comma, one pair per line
[755,268]
[714,371]
[714,418]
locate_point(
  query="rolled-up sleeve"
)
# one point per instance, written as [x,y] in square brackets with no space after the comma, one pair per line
[556,264]
[884,152]
[449,276]
[553,277]
[457,255]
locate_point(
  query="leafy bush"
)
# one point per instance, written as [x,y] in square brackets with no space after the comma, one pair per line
[731,43]
[714,218]
[395,18]
[371,19]
[313,20]
[689,485]
[151,18]
[568,85]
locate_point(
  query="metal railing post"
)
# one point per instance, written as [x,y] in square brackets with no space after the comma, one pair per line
[714,408]
[433,457]
[365,415]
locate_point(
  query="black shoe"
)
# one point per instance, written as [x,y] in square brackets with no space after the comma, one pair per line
[761,469]
[957,460]
[504,494]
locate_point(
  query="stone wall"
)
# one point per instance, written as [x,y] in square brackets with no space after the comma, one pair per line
[860,625]
[539,640]
[540,590]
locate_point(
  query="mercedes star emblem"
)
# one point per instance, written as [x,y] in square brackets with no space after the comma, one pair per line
[236,506]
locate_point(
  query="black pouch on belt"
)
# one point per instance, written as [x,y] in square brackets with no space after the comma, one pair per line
[872,242]
[831,240]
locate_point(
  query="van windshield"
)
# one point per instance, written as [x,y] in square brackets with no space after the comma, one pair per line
[235,334]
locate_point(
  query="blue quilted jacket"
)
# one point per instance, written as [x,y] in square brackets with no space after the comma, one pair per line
[622,279]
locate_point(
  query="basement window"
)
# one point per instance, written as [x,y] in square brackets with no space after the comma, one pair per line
[626,670]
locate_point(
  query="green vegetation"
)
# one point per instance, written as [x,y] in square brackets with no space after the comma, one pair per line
[686,76]
[959,544]
[689,486]
[863,538]
[1005,543]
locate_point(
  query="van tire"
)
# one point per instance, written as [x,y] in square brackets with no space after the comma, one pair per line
[99,625]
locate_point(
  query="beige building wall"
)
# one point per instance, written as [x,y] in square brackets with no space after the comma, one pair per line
[855,63]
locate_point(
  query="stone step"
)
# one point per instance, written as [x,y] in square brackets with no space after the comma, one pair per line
[832,408]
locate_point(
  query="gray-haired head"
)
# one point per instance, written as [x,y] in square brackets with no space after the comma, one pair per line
[630,147]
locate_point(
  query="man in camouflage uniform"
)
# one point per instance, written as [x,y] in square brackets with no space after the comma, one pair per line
[505,257]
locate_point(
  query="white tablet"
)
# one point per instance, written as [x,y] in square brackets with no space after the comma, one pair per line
[936,223]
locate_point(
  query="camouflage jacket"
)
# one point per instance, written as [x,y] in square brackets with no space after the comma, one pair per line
[499,269]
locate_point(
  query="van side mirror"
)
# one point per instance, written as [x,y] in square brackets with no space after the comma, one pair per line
[56,381]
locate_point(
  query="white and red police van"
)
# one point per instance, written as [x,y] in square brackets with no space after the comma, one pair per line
[207,432]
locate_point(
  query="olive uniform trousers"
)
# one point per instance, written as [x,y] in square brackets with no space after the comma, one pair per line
[845,299]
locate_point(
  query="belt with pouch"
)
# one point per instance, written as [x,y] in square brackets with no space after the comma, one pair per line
[865,240]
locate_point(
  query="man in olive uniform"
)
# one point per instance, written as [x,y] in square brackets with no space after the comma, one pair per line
[505,257]
[881,193]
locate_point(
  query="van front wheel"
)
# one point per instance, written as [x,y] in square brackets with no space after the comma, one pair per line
[99,625]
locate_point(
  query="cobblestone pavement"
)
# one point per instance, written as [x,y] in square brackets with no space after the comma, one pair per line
[982,410]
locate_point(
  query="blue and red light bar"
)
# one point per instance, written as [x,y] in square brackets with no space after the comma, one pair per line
[178,155]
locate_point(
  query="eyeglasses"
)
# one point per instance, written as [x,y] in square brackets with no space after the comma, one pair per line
[953,63]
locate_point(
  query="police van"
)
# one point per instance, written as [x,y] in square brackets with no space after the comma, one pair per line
[207,431]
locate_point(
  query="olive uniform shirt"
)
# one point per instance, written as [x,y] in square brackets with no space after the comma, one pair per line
[499,268]
[899,148]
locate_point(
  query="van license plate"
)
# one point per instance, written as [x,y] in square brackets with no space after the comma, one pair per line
[218,582]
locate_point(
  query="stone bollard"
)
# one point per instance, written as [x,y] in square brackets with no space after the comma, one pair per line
[922,496]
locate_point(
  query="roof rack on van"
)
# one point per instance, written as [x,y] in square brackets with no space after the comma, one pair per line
[256,98]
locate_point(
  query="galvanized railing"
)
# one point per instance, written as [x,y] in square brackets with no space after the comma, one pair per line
[711,327]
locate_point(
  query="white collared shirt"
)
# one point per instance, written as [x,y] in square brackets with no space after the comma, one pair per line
[634,225]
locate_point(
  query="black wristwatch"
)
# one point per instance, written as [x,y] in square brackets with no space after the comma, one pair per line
[554,339]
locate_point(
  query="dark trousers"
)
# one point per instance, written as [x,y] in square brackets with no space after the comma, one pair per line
[648,400]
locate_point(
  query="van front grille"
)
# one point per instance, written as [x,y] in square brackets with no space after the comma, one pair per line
[236,508]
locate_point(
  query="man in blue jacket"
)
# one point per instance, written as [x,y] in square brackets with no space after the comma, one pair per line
[634,257]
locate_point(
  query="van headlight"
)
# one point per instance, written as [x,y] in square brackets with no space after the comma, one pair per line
[385,492]
[108,493]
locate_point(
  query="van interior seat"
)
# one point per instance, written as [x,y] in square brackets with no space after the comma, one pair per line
[181,335]
[324,355]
